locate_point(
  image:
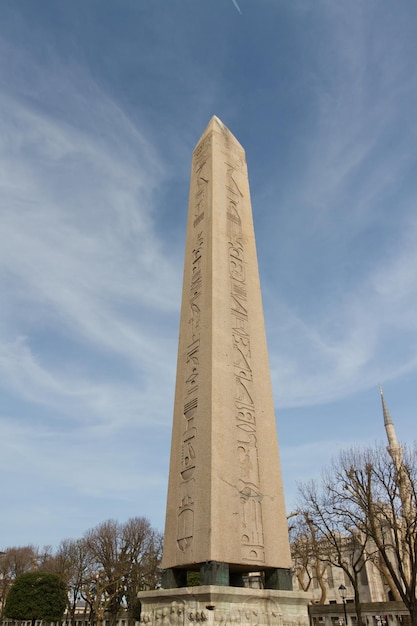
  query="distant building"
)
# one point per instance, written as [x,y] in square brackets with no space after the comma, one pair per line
[377,602]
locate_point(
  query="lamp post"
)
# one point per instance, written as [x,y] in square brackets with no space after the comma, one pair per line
[342,592]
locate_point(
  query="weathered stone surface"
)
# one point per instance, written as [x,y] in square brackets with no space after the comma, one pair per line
[225,497]
[223,606]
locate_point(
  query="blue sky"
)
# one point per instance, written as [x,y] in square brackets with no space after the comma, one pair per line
[101,105]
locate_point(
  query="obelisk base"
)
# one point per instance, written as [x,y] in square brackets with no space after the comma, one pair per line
[217,573]
[224,605]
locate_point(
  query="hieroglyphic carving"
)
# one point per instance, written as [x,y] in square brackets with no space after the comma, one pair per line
[263,613]
[189,453]
[191,369]
[187,471]
[258,611]
[201,150]
[196,276]
[201,177]
[172,614]
[176,614]
[197,616]
[252,540]
[198,219]
[186,515]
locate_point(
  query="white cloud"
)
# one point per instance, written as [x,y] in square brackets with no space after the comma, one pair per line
[80,260]
[342,282]
[364,336]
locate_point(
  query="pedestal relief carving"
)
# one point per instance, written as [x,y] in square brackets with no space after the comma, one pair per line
[209,605]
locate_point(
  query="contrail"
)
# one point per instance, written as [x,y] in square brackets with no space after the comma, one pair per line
[237,6]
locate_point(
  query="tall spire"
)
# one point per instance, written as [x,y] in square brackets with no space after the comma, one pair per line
[394,447]
[403,480]
[388,423]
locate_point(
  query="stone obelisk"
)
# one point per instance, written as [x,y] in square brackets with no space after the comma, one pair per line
[225,511]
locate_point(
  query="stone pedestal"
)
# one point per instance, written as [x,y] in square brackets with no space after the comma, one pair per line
[211,605]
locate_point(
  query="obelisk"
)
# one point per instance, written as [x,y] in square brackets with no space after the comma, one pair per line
[225,509]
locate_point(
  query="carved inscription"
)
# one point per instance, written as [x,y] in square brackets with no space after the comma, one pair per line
[201,178]
[254,612]
[252,539]
[189,448]
[172,614]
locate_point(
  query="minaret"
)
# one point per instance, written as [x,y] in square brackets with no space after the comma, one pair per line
[225,509]
[393,447]
[396,453]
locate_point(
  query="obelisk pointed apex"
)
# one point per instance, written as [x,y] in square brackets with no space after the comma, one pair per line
[215,121]
[215,125]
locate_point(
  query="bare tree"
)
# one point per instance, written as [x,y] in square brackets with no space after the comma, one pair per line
[379,497]
[366,508]
[73,563]
[141,555]
[106,568]
[126,559]
[337,543]
[104,591]
[306,554]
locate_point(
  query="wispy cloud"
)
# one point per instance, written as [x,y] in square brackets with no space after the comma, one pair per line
[358,337]
[344,313]
[80,260]
[90,300]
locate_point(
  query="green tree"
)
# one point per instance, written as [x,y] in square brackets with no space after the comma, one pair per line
[37,596]
[13,562]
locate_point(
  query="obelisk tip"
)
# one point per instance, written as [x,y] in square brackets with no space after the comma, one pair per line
[217,119]
[214,121]
[216,125]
